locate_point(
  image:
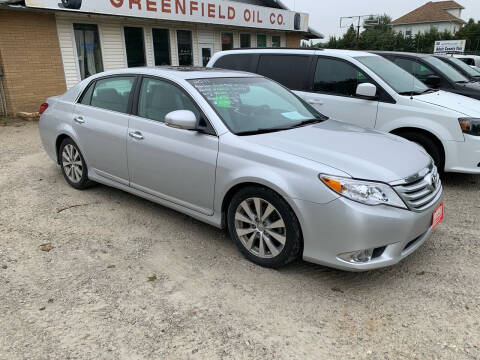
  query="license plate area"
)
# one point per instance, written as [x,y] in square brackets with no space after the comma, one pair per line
[438,216]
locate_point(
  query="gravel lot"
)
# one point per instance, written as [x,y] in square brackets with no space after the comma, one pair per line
[90,296]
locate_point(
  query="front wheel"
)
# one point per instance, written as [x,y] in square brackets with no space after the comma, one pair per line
[264,227]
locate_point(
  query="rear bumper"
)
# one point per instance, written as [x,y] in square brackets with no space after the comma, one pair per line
[343,226]
[463,156]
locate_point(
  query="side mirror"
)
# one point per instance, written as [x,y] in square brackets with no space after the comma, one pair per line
[367,90]
[433,80]
[181,119]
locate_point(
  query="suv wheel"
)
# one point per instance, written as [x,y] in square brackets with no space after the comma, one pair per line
[430,146]
[264,227]
[73,165]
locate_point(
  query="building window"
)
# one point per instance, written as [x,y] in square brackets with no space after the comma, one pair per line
[227,41]
[89,51]
[161,46]
[135,46]
[261,40]
[408,32]
[276,42]
[184,43]
[245,41]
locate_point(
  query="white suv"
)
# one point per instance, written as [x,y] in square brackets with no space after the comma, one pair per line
[367,90]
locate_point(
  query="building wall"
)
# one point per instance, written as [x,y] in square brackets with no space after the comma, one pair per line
[113,42]
[422,28]
[293,40]
[31,59]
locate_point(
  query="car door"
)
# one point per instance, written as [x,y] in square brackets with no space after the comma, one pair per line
[333,92]
[173,164]
[101,124]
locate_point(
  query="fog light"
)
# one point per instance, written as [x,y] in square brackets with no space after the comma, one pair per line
[360,256]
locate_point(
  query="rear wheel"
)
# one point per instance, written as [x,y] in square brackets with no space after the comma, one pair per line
[429,145]
[73,165]
[264,227]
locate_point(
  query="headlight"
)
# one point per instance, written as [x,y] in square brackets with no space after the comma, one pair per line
[470,126]
[365,192]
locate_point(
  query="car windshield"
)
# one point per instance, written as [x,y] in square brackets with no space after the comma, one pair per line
[400,80]
[449,71]
[254,105]
[466,68]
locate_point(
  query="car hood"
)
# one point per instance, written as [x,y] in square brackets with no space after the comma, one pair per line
[361,153]
[459,103]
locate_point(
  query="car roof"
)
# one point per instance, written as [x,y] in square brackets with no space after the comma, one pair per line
[416,55]
[305,51]
[178,72]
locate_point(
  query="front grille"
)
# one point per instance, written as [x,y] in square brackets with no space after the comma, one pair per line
[420,191]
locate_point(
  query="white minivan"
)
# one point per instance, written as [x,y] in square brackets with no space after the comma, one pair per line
[367,90]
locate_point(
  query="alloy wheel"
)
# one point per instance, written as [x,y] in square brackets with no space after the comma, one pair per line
[72,163]
[260,227]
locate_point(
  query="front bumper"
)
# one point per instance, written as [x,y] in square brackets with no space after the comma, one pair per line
[343,226]
[463,156]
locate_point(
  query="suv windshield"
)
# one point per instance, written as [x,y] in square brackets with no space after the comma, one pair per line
[447,70]
[400,80]
[255,105]
[466,68]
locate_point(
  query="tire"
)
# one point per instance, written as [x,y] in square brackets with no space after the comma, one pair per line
[251,234]
[73,165]
[72,4]
[430,145]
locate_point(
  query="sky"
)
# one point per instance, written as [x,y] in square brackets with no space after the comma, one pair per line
[325,14]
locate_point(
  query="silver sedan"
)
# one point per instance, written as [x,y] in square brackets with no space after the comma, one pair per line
[240,151]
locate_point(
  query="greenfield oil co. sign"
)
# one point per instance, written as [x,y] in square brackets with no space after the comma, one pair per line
[196,11]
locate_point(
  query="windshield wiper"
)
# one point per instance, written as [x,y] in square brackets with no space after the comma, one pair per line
[413,93]
[271,130]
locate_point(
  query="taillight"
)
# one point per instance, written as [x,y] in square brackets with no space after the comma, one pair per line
[43,107]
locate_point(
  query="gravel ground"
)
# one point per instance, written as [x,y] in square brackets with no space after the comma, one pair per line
[129,279]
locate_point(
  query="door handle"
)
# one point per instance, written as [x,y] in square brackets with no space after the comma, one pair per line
[136,135]
[315,102]
[78,119]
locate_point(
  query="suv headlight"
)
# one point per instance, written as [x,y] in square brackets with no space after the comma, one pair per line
[470,126]
[365,192]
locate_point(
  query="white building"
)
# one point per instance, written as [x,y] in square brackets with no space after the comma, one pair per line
[442,15]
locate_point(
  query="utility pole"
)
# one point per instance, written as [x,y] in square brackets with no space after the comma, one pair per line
[372,20]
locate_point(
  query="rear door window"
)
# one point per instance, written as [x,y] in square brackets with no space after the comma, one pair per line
[240,62]
[337,77]
[289,70]
[113,93]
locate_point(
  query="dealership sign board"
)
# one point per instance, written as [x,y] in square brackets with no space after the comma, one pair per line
[449,46]
[197,11]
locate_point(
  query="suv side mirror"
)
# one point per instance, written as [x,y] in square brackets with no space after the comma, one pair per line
[181,119]
[433,80]
[367,90]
